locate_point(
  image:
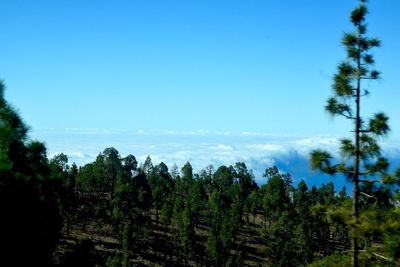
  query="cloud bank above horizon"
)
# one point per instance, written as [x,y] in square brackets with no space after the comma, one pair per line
[202,148]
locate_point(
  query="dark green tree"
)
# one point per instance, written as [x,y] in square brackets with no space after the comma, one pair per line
[60,169]
[30,201]
[252,205]
[93,190]
[282,248]
[304,227]
[131,208]
[275,195]
[218,205]
[162,187]
[207,175]
[112,167]
[123,213]
[147,167]
[129,164]
[223,179]
[197,199]
[183,215]
[349,89]
[244,179]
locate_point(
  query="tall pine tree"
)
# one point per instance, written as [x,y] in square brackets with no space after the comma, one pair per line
[362,160]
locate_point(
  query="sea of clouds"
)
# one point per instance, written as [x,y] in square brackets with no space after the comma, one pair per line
[259,151]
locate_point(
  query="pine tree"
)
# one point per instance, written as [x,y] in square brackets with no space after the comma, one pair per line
[349,90]
[29,196]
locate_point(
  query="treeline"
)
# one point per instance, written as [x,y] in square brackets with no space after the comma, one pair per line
[209,218]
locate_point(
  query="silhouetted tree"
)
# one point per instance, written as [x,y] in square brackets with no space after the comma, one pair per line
[30,202]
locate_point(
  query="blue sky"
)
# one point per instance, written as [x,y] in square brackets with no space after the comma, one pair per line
[133,67]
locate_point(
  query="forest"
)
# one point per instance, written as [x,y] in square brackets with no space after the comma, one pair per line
[116,211]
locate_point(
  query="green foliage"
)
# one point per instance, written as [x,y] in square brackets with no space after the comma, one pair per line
[211,248]
[321,160]
[166,213]
[147,167]
[162,186]
[197,199]
[252,204]
[275,197]
[183,213]
[391,234]
[297,229]
[186,233]
[361,156]
[30,199]
[223,178]
[334,260]
[280,248]
[224,214]
[61,170]
[235,260]
[113,261]
[379,124]
[126,242]
[347,88]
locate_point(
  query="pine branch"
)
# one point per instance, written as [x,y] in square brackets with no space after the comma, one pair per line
[365,194]
[369,181]
[384,258]
[347,116]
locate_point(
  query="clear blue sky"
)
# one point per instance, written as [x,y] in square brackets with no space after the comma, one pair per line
[239,66]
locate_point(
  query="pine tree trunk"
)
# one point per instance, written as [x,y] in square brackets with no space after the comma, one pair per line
[126,242]
[157,216]
[68,226]
[354,244]
[356,189]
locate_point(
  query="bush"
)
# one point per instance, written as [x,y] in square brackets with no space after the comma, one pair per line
[334,260]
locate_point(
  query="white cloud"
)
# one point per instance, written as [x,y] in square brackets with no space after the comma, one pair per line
[267,147]
[222,147]
[305,145]
[200,148]
[317,141]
